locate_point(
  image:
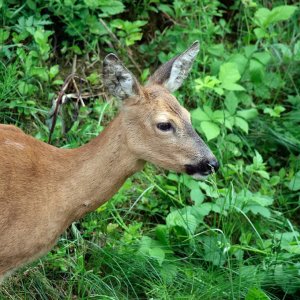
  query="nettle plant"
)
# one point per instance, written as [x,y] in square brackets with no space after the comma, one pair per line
[248,80]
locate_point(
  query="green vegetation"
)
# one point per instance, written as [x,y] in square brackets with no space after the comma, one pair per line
[164,235]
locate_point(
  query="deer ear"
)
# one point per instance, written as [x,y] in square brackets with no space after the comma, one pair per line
[175,71]
[119,81]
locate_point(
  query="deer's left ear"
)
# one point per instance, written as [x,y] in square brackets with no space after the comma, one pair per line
[172,74]
[119,81]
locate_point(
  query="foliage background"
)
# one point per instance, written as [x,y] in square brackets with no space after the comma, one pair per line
[164,235]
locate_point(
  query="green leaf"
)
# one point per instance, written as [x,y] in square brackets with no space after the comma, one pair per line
[109,7]
[214,249]
[54,70]
[248,114]
[260,199]
[274,180]
[210,129]
[260,33]
[197,196]
[256,209]
[220,116]
[264,17]
[166,9]
[162,234]
[257,71]
[229,73]
[240,61]
[230,86]
[274,112]
[297,51]
[205,209]
[263,57]
[182,218]
[231,102]
[294,184]
[4,35]
[255,293]
[263,174]
[158,254]
[199,115]
[242,124]
[280,13]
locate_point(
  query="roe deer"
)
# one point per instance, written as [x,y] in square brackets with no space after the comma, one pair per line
[43,189]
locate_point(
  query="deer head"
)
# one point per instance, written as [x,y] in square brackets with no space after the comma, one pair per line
[157,128]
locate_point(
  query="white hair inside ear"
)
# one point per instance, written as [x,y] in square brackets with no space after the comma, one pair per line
[119,81]
[181,68]
[175,71]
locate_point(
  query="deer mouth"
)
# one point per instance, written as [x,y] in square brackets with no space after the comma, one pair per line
[201,170]
[198,176]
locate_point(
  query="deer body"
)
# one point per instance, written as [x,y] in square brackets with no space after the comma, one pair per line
[43,189]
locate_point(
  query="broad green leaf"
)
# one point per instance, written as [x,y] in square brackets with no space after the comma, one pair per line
[297,51]
[210,191]
[265,17]
[260,199]
[255,293]
[274,180]
[197,196]
[162,234]
[205,208]
[260,33]
[248,114]
[229,73]
[240,122]
[109,7]
[280,13]
[256,209]
[95,26]
[158,254]
[263,57]
[230,86]
[294,249]
[54,70]
[166,9]
[169,271]
[294,184]
[214,249]
[4,35]
[263,174]
[220,116]
[199,115]
[207,109]
[216,49]
[257,71]
[240,61]
[182,218]
[210,129]
[274,112]
[231,102]
[249,50]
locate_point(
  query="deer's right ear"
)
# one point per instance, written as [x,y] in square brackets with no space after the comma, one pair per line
[119,81]
[172,74]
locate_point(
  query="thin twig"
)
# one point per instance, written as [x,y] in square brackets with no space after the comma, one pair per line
[58,103]
[78,92]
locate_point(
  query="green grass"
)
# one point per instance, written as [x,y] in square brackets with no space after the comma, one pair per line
[164,235]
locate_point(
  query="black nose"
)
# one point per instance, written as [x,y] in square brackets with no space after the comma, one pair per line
[214,165]
[204,167]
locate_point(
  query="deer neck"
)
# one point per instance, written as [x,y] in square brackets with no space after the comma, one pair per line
[101,167]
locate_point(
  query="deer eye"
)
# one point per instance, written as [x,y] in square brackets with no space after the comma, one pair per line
[166,126]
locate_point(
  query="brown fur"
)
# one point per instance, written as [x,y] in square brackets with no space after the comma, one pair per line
[43,189]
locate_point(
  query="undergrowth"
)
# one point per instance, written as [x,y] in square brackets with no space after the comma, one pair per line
[165,235]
